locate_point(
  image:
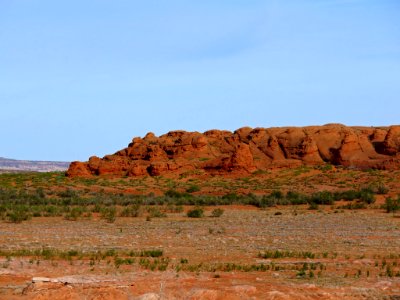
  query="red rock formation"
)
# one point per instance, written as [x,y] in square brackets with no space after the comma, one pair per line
[248,150]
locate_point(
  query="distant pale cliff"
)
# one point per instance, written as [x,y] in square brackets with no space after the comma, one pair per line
[7,165]
[248,150]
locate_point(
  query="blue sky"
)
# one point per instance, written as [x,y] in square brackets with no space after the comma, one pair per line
[81,78]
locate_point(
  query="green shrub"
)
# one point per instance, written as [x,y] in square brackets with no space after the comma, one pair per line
[356,205]
[184,261]
[367,196]
[294,198]
[231,197]
[152,253]
[74,214]
[313,206]
[348,195]
[195,213]
[147,253]
[266,201]
[52,211]
[277,194]
[72,253]
[174,194]
[18,215]
[36,214]
[193,189]
[323,198]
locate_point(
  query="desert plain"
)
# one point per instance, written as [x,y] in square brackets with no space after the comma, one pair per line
[344,250]
[234,228]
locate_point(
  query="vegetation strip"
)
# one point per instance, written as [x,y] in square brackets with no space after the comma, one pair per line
[20,205]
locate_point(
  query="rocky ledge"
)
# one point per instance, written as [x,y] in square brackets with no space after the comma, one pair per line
[249,150]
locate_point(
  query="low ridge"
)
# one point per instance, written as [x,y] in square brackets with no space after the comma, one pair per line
[12,165]
[248,150]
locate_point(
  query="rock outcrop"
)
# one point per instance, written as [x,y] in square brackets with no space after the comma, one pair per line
[248,150]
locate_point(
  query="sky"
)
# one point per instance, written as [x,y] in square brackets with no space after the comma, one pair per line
[83,77]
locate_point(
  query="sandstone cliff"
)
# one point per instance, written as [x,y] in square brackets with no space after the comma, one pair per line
[247,150]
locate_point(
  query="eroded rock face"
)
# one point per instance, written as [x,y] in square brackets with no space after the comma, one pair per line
[248,150]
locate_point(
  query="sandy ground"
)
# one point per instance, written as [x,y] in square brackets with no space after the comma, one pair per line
[351,254]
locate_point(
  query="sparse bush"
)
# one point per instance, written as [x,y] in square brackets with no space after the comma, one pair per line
[110,252]
[40,193]
[109,214]
[152,253]
[301,274]
[381,189]
[392,205]
[216,213]
[156,213]
[286,254]
[174,208]
[96,208]
[68,194]
[357,205]
[231,197]
[313,206]
[147,253]
[348,195]
[74,214]
[326,167]
[131,211]
[266,201]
